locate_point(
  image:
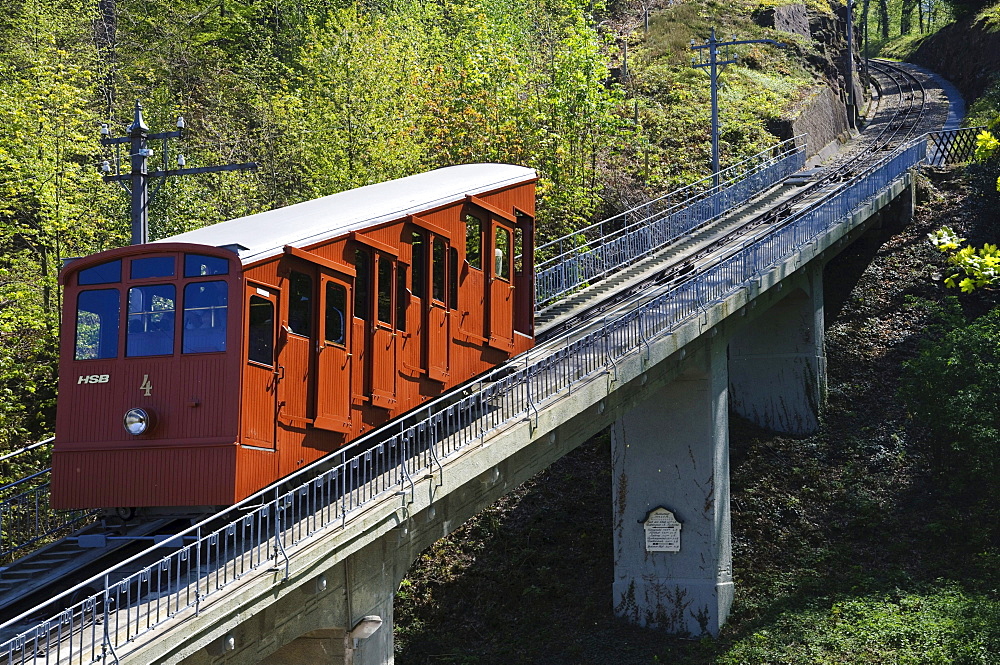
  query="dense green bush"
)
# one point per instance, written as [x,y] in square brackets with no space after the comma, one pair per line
[953,388]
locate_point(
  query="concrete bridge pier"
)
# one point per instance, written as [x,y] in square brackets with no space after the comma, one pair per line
[672,451]
[777,362]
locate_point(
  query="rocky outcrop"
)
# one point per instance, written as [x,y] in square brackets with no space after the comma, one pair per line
[793,19]
[965,53]
[822,117]
[823,114]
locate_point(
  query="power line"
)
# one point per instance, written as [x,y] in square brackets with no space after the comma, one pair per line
[712,63]
[139,176]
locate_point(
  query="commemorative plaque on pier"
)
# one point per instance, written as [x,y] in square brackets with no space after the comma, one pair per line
[663,531]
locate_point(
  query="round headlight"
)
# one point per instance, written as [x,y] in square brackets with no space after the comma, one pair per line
[136,421]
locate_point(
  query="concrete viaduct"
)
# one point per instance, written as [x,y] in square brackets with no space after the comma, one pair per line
[759,351]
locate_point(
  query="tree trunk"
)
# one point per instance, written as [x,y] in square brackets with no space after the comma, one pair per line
[906,17]
[883,18]
[106,39]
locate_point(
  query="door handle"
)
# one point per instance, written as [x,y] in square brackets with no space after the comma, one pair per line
[279,373]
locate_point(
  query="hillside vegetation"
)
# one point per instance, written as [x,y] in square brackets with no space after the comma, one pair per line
[331,94]
[873,541]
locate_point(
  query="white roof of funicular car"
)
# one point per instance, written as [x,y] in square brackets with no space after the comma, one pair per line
[259,236]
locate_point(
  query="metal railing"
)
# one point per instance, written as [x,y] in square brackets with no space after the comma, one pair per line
[269,527]
[588,254]
[26,519]
[951,146]
[13,455]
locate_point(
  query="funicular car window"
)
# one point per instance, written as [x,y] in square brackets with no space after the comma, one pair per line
[419,265]
[362,284]
[385,290]
[153,266]
[518,251]
[260,348]
[402,297]
[438,270]
[150,320]
[205,308]
[453,278]
[105,273]
[473,241]
[502,251]
[97,320]
[199,265]
[300,307]
[336,305]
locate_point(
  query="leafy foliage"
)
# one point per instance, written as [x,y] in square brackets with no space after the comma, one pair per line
[953,388]
[975,268]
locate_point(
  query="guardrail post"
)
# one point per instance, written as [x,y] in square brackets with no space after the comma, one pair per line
[197,572]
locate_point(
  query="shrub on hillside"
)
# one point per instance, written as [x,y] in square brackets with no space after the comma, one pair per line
[953,388]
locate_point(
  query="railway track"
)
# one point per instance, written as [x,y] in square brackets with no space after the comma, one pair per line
[897,118]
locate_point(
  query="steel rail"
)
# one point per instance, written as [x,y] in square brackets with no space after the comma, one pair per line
[323,497]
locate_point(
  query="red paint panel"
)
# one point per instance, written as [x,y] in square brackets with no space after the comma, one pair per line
[360,350]
[438,343]
[472,305]
[132,477]
[255,469]
[384,367]
[294,368]
[412,357]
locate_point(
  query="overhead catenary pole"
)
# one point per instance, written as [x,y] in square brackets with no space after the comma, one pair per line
[713,64]
[139,176]
[852,103]
[139,151]
[713,51]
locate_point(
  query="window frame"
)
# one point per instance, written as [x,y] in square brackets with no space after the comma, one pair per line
[184,309]
[249,320]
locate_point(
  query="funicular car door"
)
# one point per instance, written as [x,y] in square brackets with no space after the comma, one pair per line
[296,345]
[381,360]
[334,359]
[260,373]
[437,310]
[434,265]
[500,261]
